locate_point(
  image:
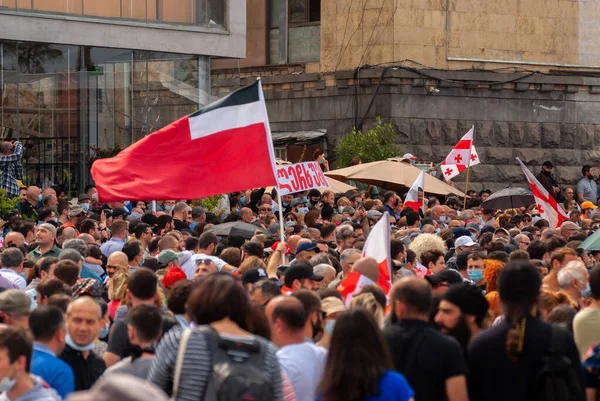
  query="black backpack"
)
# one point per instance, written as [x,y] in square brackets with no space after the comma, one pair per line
[238,368]
[558,380]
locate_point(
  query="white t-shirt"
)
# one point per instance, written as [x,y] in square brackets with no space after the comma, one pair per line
[303,365]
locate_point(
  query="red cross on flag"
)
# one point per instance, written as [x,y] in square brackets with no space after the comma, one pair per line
[462,156]
[547,206]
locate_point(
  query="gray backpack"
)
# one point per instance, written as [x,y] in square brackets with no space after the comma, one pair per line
[238,368]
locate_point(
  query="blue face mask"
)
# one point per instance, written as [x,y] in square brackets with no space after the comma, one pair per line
[104,332]
[85,207]
[242,200]
[444,219]
[80,348]
[193,225]
[475,275]
[168,208]
[303,210]
[329,325]
[39,198]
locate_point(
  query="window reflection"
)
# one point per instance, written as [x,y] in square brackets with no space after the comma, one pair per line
[71,104]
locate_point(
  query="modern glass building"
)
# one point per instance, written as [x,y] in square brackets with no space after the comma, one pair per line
[84,78]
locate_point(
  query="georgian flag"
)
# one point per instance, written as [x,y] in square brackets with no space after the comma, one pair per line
[462,156]
[547,206]
[412,197]
[224,147]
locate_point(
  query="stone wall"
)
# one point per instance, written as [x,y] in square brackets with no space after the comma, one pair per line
[533,117]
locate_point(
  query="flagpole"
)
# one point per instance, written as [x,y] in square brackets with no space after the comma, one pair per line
[281,226]
[469,167]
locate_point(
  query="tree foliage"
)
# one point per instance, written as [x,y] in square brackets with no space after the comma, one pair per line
[7,205]
[376,144]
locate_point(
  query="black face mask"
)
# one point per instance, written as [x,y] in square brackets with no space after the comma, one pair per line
[396,202]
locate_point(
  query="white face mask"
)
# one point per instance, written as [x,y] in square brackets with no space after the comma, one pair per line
[7,383]
[80,348]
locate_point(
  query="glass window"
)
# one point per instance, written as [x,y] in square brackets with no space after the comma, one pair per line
[314,14]
[297,10]
[72,104]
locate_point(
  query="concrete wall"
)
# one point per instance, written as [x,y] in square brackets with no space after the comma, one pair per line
[556,32]
[536,118]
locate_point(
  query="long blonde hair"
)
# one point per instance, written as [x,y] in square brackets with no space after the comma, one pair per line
[117,286]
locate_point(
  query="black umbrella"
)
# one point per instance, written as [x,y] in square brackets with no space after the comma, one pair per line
[509,198]
[236,228]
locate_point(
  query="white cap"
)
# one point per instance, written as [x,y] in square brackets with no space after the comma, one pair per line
[409,156]
[464,241]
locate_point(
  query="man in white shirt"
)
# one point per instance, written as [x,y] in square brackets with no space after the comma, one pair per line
[301,362]
[12,267]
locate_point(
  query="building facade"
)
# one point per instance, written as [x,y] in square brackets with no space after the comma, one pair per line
[81,79]
[525,73]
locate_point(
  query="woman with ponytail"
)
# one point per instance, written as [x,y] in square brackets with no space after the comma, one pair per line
[506,360]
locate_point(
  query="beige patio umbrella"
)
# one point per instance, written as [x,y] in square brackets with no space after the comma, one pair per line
[392,175]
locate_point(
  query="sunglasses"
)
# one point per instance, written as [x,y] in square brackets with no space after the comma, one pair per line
[114,267]
[265,210]
[203,261]
[526,221]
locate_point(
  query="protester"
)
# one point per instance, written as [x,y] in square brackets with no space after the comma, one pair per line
[302,362]
[12,267]
[371,376]
[514,350]
[433,363]
[16,349]
[15,306]
[48,327]
[586,325]
[221,308]
[83,327]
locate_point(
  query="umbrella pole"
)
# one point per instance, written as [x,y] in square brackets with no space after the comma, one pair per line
[466,187]
[281,227]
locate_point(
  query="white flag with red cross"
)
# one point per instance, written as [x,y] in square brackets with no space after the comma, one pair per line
[461,157]
[549,209]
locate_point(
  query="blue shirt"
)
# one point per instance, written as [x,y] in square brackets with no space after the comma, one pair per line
[53,370]
[114,245]
[392,387]
[87,273]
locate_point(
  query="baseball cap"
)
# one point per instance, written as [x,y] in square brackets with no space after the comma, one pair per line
[15,302]
[197,211]
[409,156]
[460,232]
[76,210]
[167,256]
[331,305]
[349,210]
[122,388]
[49,227]
[454,201]
[473,227]
[504,230]
[296,202]
[307,246]
[300,271]
[464,241]
[588,205]
[120,212]
[547,163]
[373,214]
[449,276]
[253,275]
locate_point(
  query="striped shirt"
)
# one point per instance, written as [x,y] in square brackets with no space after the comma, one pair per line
[196,369]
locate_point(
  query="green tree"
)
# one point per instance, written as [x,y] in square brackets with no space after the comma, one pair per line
[7,205]
[376,144]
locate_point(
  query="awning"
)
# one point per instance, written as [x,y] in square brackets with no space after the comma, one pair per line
[299,137]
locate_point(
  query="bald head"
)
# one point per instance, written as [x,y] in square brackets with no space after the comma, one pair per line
[87,238]
[293,242]
[117,259]
[246,214]
[287,313]
[84,304]
[367,267]
[15,237]
[414,295]
[33,192]
[68,233]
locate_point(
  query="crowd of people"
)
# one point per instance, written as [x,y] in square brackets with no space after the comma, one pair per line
[118,300]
